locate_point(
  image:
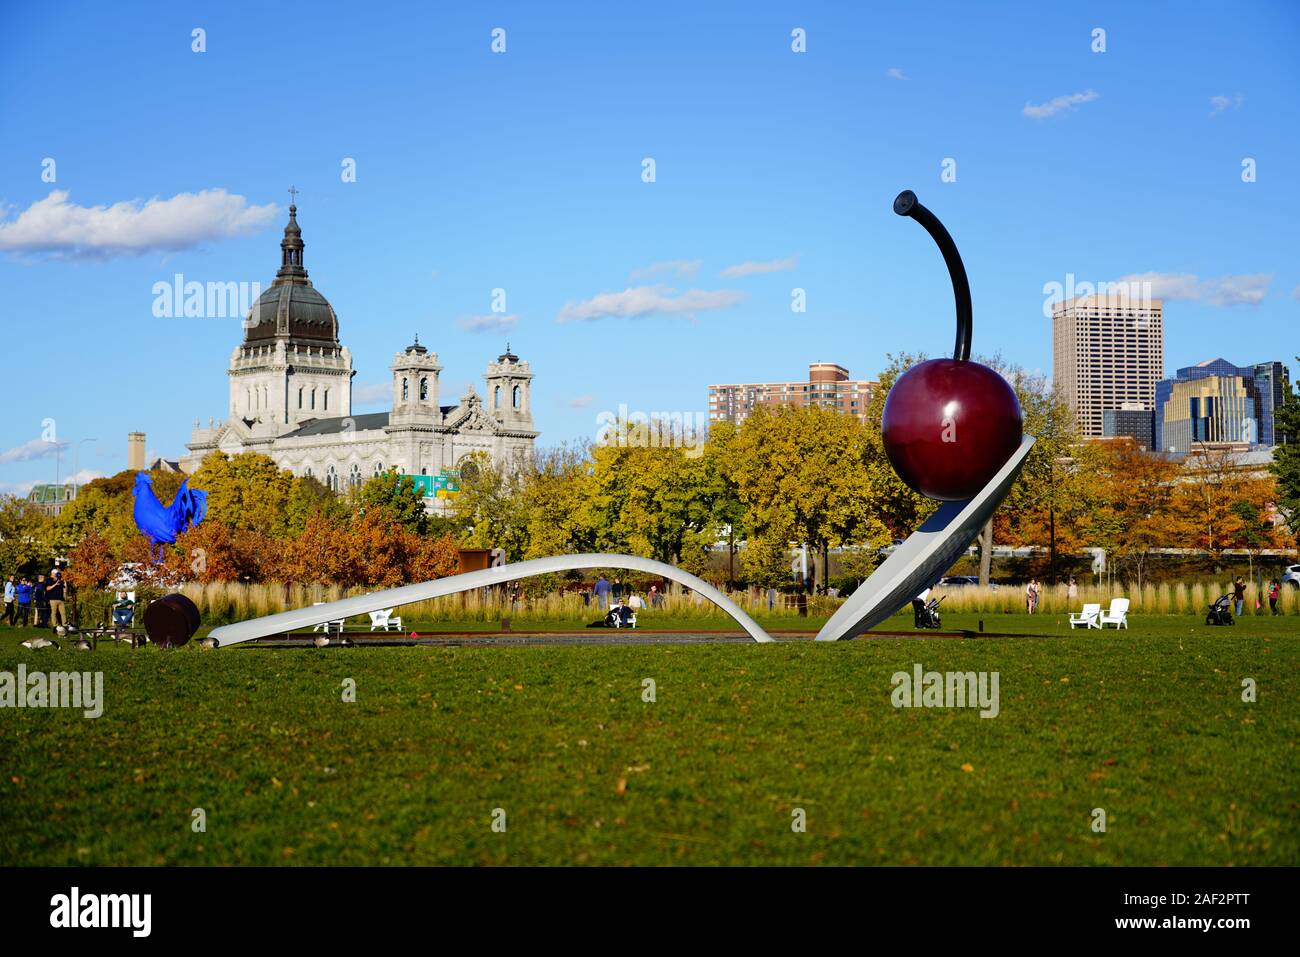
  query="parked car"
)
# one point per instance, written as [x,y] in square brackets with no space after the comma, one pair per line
[953,581]
[1292,576]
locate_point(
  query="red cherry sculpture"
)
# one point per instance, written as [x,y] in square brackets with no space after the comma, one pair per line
[949,424]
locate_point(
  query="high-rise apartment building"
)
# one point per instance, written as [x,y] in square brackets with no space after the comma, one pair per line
[828,384]
[1108,352]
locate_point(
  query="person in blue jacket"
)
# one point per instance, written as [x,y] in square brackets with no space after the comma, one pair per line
[602,590]
[23,598]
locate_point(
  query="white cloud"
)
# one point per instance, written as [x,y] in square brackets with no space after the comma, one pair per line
[491,322]
[1220,103]
[756,269]
[58,228]
[1244,290]
[83,476]
[368,393]
[894,73]
[1060,103]
[18,489]
[582,401]
[685,268]
[640,301]
[29,451]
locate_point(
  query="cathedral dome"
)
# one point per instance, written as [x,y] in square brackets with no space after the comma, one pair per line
[295,310]
[292,307]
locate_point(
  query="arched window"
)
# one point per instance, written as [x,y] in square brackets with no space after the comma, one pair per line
[300,397]
[354,479]
[313,398]
[307,471]
[326,406]
[406,389]
[379,468]
[516,396]
[496,397]
[424,388]
[331,479]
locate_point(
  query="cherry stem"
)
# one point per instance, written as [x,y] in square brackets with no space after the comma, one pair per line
[908,205]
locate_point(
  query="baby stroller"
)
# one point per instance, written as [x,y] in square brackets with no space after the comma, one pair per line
[1220,612]
[926,614]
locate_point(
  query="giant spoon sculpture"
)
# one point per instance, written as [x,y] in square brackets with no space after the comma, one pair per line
[952,430]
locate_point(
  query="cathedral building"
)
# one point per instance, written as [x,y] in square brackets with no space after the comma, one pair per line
[291,398]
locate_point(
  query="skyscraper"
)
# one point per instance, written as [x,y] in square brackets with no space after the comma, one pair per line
[1237,407]
[1272,383]
[1108,352]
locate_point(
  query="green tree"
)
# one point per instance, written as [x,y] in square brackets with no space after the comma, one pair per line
[25,536]
[1286,456]
[398,496]
[802,470]
[246,491]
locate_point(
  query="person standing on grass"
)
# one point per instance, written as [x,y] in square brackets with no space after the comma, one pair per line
[10,592]
[602,590]
[54,595]
[1274,593]
[23,599]
[1072,589]
[1239,595]
[40,604]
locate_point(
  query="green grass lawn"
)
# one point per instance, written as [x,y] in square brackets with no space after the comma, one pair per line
[1147,724]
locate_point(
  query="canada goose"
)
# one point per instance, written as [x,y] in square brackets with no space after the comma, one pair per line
[321,641]
[209,643]
[82,645]
[40,641]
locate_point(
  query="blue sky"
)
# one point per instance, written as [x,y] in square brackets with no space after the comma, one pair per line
[522,171]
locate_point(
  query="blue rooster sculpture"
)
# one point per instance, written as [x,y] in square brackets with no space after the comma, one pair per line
[161,524]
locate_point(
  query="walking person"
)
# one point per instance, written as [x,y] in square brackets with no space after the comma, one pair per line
[10,591]
[602,590]
[1031,596]
[54,595]
[23,600]
[1274,593]
[1239,595]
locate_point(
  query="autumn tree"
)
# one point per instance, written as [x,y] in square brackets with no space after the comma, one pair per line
[1209,489]
[92,563]
[1134,512]
[802,471]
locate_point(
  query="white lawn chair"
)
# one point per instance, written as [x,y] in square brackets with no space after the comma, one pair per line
[336,625]
[1117,615]
[385,621]
[1088,617]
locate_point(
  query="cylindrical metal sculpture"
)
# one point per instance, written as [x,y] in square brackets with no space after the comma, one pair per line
[171,621]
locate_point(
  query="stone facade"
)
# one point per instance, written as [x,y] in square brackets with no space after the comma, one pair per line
[291,397]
